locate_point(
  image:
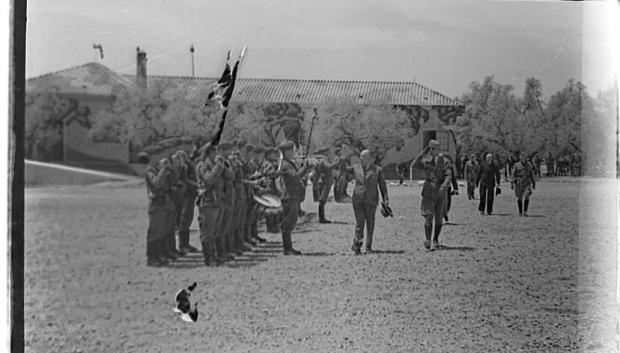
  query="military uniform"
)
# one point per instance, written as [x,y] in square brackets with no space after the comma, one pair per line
[522,182]
[293,192]
[177,189]
[225,225]
[325,170]
[209,206]
[159,210]
[471,173]
[240,205]
[452,188]
[189,203]
[272,221]
[437,180]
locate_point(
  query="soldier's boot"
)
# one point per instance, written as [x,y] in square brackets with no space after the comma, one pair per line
[185,245]
[238,247]
[322,214]
[221,249]
[520,205]
[435,244]
[228,247]
[526,203]
[428,232]
[206,251]
[152,255]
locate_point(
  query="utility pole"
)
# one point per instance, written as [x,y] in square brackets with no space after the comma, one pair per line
[191,50]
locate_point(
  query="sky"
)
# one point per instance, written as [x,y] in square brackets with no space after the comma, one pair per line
[443,45]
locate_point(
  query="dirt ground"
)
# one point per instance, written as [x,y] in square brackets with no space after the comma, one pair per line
[502,283]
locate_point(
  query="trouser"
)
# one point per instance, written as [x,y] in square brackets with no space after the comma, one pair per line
[471,187]
[273,223]
[432,209]
[207,219]
[157,230]
[241,219]
[251,226]
[364,215]
[487,194]
[325,189]
[316,192]
[187,217]
[290,213]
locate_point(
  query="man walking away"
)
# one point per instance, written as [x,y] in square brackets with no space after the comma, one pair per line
[488,177]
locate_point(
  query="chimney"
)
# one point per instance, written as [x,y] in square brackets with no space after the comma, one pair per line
[141,68]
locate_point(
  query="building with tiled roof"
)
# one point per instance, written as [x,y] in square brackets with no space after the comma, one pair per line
[96,86]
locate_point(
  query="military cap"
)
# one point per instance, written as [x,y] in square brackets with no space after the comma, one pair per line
[225,146]
[259,149]
[240,143]
[286,146]
[433,143]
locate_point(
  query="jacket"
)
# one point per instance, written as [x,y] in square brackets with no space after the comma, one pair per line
[368,184]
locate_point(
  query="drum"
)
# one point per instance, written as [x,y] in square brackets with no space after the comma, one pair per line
[268,204]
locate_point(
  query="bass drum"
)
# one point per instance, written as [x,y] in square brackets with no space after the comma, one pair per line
[268,204]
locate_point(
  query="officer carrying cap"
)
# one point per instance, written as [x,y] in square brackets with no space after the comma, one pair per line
[386,210]
[286,146]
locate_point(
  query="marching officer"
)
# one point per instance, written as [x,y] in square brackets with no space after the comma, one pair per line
[209,175]
[189,203]
[368,179]
[523,182]
[471,173]
[160,210]
[292,192]
[438,179]
[325,169]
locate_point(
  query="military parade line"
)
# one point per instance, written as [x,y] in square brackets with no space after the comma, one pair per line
[235,184]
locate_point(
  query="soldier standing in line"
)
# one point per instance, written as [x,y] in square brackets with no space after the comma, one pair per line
[523,182]
[189,203]
[249,168]
[270,165]
[369,181]
[325,169]
[293,187]
[228,192]
[438,179]
[160,208]
[257,162]
[177,190]
[343,173]
[209,202]
[489,176]
[471,173]
[241,197]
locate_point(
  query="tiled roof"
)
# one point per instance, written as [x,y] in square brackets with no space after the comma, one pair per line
[96,79]
[312,91]
[90,79]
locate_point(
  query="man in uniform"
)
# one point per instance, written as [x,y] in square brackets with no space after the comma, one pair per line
[225,221]
[438,179]
[269,166]
[369,181]
[240,211]
[471,173]
[177,189]
[343,175]
[293,187]
[256,162]
[523,182]
[453,188]
[209,175]
[160,209]
[189,203]
[325,169]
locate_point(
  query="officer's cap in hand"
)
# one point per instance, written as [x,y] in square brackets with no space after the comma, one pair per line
[386,210]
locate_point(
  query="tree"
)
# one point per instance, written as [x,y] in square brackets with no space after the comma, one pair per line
[43,125]
[378,128]
[144,118]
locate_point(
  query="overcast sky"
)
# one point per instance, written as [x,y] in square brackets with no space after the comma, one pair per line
[444,45]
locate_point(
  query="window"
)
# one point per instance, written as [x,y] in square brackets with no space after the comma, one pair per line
[444,140]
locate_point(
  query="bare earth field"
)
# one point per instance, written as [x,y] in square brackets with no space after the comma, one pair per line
[502,283]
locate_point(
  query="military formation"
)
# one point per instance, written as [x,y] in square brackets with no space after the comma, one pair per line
[233,185]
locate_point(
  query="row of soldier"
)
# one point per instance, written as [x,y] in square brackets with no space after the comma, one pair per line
[221,180]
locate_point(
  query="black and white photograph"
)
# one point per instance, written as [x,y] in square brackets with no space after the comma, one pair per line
[313,176]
